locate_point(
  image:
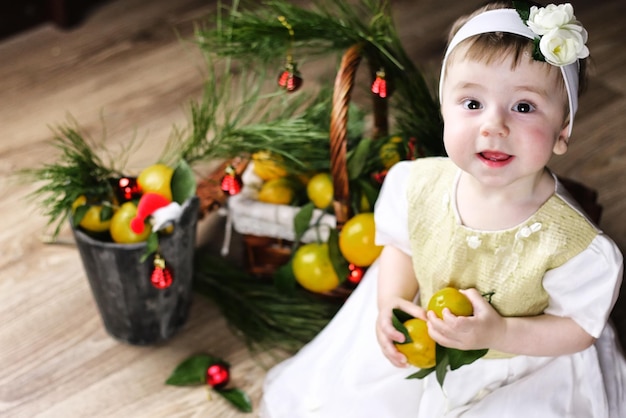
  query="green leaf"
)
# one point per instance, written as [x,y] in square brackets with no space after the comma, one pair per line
[357,159]
[336,258]
[443,360]
[183,182]
[421,373]
[284,279]
[523,9]
[106,213]
[152,244]
[302,220]
[460,358]
[398,318]
[192,371]
[79,214]
[238,398]
[369,190]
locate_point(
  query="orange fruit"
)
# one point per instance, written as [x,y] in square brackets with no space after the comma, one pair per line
[356,240]
[278,191]
[320,190]
[92,220]
[450,298]
[120,229]
[421,351]
[156,178]
[313,269]
[267,165]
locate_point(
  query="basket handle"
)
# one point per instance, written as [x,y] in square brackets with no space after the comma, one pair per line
[342,91]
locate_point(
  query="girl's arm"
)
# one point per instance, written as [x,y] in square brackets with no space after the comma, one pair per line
[397,288]
[542,335]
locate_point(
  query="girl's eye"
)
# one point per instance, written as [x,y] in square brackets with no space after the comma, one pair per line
[471,104]
[524,108]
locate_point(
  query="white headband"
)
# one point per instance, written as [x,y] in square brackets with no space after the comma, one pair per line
[509,21]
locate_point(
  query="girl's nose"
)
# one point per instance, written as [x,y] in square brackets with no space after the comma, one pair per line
[495,124]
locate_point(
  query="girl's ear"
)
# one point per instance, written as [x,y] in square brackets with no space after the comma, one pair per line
[562,141]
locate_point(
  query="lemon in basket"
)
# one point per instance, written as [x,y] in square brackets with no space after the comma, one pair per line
[313,269]
[278,191]
[267,165]
[356,240]
[320,190]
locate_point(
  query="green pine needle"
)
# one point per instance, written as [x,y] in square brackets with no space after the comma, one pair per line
[264,317]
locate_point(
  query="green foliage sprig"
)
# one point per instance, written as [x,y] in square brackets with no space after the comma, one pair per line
[78,171]
[264,317]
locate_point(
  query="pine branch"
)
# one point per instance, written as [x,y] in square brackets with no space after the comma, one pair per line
[263,316]
[78,171]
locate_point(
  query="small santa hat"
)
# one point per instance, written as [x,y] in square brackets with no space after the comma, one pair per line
[160,208]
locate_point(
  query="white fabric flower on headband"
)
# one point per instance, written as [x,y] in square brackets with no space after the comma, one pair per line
[562,37]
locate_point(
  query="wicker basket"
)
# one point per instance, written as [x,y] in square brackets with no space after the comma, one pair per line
[264,252]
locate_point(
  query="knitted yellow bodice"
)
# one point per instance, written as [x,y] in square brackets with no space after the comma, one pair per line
[510,263]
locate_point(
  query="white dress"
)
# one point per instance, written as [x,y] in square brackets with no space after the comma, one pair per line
[343,374]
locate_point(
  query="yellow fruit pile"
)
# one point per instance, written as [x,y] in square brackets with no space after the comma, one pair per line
[312,266]
[153,179]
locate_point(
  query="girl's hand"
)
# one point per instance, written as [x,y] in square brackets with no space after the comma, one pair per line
[386,333]
[481,330]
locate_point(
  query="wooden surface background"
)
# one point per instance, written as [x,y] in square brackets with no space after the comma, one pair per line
[128,68]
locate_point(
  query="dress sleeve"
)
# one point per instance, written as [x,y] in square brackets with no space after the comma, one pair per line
[390,212]
[586,287]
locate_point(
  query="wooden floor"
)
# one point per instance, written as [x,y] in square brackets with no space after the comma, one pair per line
[126,66]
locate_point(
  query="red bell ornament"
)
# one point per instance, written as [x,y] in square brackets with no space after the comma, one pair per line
[218,375]
[379,86]
[290,79]
[161,277]
[231,182]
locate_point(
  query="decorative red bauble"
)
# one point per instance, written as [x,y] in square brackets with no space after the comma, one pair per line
[379,86]
[126,188]
[217,375]
[356,274]
[231,182]
[290,79]
[161,277]
[379,177]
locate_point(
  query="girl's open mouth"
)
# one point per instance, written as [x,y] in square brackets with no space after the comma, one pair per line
[494,158]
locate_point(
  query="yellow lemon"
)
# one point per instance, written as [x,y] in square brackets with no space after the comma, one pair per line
[268,166]
[320,190]
[121,231]
[390,152]
[156,178]
[450,298]
[313,269]
[278,191]
[91,221]
[356,240]
[421,351]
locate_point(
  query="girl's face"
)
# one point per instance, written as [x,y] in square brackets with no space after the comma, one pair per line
[502,124]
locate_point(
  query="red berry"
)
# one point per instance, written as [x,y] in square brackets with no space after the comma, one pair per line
[217,375]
